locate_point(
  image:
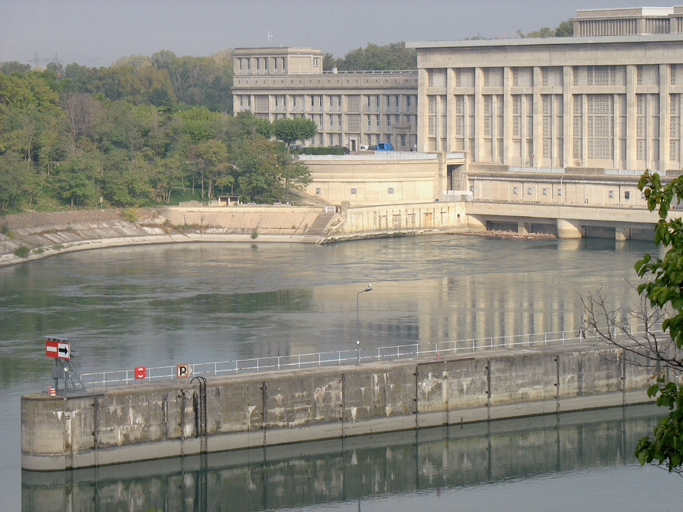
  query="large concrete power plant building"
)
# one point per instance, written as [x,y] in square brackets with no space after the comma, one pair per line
[609,97]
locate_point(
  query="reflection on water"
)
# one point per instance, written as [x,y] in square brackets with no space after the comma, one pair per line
[385,470]
[161,305]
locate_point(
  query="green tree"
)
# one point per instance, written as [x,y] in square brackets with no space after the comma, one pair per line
[14,176]
[662,294]
[393,56]
[291,130]
[293,173]
[74,180]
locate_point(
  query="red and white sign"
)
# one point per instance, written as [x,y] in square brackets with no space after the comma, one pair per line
[58,349]
[140,372]
[182,371]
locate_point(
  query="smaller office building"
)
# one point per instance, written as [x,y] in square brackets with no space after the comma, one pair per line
[352,109]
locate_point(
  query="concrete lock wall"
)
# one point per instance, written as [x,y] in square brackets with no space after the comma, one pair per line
[404,217]
[150,420]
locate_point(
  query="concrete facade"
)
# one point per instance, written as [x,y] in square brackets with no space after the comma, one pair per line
[148,421]
[390,177]
[351,109]
[607,101]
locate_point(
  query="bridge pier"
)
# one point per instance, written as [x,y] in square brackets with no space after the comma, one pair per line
[621,234]
[569,229]
[475,223]
[524,228]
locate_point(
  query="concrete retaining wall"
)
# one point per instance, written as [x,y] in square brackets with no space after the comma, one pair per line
[154,420]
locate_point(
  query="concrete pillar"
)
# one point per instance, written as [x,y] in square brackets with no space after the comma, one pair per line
[475,223]
[621,234]
[524,228]
[631,117]
[422,110]
[569,229]
[568,119]
[507,117]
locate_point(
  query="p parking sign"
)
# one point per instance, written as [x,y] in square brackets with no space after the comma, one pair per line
[182,371]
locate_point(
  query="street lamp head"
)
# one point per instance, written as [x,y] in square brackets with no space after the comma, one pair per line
[369,288]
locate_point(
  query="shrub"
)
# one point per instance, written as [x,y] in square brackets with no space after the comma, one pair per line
[4,229]
[130,214]
[38,250]
[254,235]
[22,251]
[324,151]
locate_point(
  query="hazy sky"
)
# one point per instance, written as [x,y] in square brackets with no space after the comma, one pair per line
[97,32]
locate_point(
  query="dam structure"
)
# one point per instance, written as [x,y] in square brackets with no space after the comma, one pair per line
[177,417]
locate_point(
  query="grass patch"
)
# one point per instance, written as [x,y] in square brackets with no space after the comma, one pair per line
[39,250]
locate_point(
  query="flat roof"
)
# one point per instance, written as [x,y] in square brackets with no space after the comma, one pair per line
[546,41]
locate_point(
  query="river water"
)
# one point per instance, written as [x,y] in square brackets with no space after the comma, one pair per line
[162,305]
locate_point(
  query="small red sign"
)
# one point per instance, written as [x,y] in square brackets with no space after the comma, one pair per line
[182,371]
[140,372]
[57,349]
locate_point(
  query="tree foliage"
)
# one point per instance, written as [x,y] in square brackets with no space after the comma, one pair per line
[291,130]
[661,292]
[564,29]
[71,136]
[393,56]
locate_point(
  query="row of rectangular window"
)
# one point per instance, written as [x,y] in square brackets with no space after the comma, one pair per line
[530,192]
[353,191]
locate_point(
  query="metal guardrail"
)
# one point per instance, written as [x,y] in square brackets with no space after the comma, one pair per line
[98,380]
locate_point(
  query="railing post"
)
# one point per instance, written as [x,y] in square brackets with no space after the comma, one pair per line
[278,362]
[236,369]
[299,361]
[378,354]
[319,363]
[417,350]
[257,366]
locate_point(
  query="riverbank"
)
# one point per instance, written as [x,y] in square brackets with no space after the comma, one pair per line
[32,236]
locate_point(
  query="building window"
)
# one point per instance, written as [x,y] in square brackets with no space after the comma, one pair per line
[515,190]
[408,100]
[545,191]
[529,191]
[353,191]
[559,192]
[611,194]
[391,191]
[627,195]
[316,61]
[318,191]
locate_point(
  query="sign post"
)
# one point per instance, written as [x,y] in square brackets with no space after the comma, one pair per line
[60,350]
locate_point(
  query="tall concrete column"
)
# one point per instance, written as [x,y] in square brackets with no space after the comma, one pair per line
[568,119]
[569,229]
[422,109]
[631,117]
[507,115]
[537,105]
[478,114]
[664,116]
[450,110]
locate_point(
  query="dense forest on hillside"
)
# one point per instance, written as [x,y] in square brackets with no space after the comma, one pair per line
[127,139]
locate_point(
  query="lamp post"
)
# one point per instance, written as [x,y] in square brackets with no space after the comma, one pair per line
[368,289]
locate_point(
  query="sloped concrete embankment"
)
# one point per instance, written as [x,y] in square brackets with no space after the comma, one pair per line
[154,420]
[169,225]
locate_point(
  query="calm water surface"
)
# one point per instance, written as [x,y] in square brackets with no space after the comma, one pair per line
[161,305]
